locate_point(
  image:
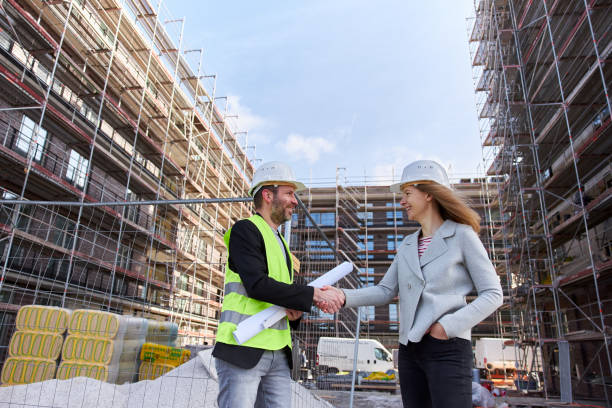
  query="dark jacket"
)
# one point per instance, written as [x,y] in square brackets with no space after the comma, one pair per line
[247,257]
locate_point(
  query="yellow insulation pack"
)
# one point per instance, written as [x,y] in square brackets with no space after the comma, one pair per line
[90,350]
[94,323]
[72,369]
[43,318]
[151,371]
[34,344]
[25,370]
[158,354]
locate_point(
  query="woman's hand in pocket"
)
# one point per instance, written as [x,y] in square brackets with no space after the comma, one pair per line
[437,331]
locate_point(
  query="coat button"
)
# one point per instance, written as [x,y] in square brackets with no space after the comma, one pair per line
[409,286]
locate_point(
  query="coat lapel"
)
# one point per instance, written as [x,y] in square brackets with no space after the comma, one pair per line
[437,247]
[411,255]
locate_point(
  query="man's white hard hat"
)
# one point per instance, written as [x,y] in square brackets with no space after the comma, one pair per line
[274,173]
[422,172]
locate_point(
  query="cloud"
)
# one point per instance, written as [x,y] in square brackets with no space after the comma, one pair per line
[309,148]
[393,160]
[256,125]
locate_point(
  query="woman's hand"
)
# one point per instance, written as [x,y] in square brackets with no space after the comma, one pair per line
[437,331]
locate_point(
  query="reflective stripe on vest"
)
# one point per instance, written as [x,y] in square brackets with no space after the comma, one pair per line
[237,306]
[235,287]
[237,318]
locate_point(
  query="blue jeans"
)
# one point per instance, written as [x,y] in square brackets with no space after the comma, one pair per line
[266,385]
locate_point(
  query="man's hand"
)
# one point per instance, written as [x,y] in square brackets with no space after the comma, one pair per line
[328,299]
[437,331]
[293,314]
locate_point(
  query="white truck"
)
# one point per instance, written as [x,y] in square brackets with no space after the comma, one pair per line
[493,351]
[336,354]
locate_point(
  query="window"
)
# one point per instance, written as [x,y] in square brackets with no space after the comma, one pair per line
[57,269]
[76,172]
[362,245]
[6,212]
[380,354]
[125,255]
[392,239]
[368,216]
[121,286]
[5,40]
[322,219]
[27,136]
[394,217]
[367,280]
[393,317]
[362,239]
[63,233]
[368,313]
[133,211]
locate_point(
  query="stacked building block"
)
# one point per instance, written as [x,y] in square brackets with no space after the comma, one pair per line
[156,360]
[36,344]
[102,345]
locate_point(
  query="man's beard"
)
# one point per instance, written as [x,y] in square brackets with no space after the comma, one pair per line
[278,212]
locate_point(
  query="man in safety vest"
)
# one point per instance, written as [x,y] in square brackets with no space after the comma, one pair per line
[258,274]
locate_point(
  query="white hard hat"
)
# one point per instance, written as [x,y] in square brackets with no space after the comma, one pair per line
[273,173]
[422,172]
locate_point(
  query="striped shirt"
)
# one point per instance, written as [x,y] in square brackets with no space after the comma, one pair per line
[423,244]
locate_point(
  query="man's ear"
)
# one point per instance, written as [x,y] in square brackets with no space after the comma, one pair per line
[268,195]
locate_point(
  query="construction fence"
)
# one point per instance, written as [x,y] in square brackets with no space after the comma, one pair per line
[87,296]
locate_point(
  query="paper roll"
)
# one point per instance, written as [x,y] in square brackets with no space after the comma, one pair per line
[267,318]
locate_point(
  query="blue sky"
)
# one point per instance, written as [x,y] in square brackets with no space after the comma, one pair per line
[366,86]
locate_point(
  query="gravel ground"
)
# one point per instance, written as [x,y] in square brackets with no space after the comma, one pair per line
[363,399]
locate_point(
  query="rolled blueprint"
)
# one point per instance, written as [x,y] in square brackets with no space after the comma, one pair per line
[267,318]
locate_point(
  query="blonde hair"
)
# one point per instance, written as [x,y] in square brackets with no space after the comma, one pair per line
[451,205]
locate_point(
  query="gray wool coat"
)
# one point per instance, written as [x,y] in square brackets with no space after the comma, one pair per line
[433,288]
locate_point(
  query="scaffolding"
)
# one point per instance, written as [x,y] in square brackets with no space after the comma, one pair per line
[544,108]
[121,171]
[365,224]
[100,108]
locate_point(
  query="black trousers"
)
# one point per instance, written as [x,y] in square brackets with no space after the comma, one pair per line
[436,373]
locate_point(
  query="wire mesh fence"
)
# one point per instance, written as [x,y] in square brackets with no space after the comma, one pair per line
[111,303]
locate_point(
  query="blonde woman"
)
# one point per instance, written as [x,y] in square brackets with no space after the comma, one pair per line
[433,271]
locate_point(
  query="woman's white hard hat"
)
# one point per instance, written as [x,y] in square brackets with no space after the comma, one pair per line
[274,173]
[422,172]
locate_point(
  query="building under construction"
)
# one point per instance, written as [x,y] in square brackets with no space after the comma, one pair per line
[542,82]
[103,119]
[100,104]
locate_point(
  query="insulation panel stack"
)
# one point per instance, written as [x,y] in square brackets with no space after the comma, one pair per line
[103,346]
[36,344]
[156,360]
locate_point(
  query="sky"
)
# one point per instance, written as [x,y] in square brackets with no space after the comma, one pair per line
[364,87]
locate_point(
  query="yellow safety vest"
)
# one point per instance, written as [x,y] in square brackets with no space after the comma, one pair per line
[237,306]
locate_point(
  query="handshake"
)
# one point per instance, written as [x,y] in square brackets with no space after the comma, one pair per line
[329,299]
